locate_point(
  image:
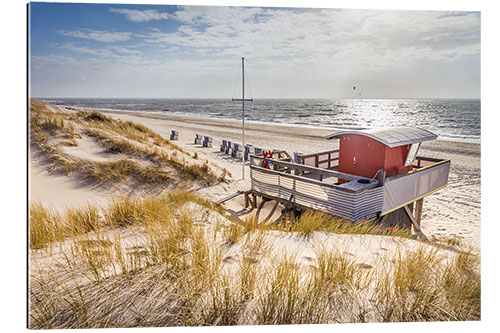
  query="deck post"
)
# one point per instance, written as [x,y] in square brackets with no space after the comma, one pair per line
[246,200]
[418,210]
[316,161]
[381,177]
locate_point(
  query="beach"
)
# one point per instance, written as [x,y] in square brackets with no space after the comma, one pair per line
[125,221]
[453,212]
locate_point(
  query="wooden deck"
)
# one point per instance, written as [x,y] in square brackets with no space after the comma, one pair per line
[316,186]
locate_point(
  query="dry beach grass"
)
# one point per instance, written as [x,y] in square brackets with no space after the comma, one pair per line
[162,161]
[160,262]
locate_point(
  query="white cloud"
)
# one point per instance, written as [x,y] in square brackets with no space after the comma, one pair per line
[310,52]
[100,36]
[85,50]
[339,40]
[140,15]
[125,50]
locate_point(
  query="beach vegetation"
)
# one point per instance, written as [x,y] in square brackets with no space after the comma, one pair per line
[313,221]
[148,158]
[177,270]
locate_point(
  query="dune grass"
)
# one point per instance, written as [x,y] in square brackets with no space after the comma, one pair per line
[175,273]
[312,221]
[161,162]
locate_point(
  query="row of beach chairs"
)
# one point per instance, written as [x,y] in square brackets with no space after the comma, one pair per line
[230,148]
[207,141]
[235,149]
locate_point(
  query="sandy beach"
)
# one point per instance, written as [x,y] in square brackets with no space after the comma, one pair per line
[453,212]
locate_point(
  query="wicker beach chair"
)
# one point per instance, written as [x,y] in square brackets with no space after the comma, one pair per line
[257,150]
[207,142]
[249,149]
[236,152]
[228,147]
[174,135]
[197,139]
[223,145]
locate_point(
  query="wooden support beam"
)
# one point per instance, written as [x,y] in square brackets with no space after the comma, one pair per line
[418,210]
[247,200]
[276,203]
[418,232]
[234,195]
[381,177]
[259,209]
[410,215]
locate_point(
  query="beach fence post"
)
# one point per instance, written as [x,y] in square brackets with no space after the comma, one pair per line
[243,100]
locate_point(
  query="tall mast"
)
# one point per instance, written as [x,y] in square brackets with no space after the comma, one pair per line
[243,100]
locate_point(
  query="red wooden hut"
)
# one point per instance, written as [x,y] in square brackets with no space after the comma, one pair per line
[340,182]
[364,153]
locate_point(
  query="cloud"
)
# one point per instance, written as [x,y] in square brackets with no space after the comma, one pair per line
[100,36]
[141,15]
[85,50]
[336,39]
[125,50]
[311,52]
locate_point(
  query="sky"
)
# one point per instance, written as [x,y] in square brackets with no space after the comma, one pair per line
[168,51]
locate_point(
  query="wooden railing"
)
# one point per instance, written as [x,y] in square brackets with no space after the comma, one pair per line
[403,189]
[298,169]
[283,183]
[419,160]
[324,160]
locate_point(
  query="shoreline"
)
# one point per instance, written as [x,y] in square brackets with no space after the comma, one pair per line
[253,123]
[248,121]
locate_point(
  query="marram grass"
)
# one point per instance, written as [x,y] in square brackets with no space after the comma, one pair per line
[161,167]
[178,274]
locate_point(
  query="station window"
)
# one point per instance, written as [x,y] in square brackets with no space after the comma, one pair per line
[412,153]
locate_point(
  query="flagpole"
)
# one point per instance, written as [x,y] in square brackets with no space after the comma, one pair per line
[243,100]
[243,117]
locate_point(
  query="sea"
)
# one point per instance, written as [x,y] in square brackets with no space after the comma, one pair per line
[450,119]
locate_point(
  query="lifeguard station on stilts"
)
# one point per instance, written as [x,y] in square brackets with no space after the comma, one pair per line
[374,175]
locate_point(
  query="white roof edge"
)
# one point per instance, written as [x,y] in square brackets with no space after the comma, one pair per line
[417,135]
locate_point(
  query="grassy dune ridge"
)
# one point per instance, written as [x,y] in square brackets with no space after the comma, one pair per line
[188,265]
[162,161]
